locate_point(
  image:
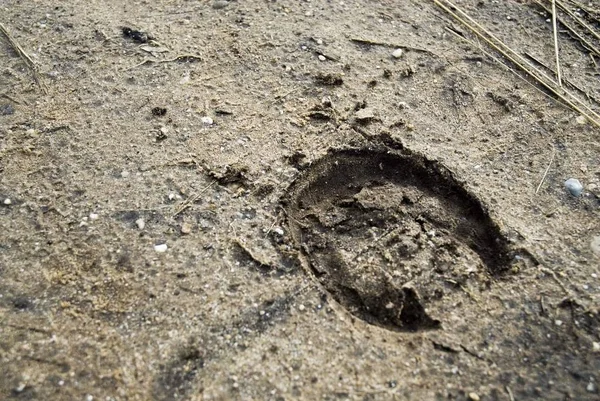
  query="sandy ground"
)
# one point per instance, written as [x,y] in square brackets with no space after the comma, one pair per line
[265,200]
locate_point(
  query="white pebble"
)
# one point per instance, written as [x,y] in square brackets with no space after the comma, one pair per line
[596,347]
[124,174]
[474,397]
[207,120]
[7,201]
[161,248]
[558,322]
[591,387]
[140,223]
[397,53]
[322,57]
[574,187]
[94,216]
[301,307]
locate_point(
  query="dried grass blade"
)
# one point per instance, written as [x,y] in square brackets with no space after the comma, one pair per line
[519,61]
[24,56]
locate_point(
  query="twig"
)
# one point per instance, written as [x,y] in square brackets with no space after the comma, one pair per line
[528,82]
[24,56]
[585,43]
[510,394]
[576,18]
[12,99]
[181,57]
[565,80]
[546,172]
[558,74]
[189,201]
[385,44]
[553,275]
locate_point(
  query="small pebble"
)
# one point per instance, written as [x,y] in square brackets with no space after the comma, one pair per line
[322,57]
[94,216]
[7,201]
[558,322]
[301,307]
[186,228]
[219,4]
[397,53]
[207,120]
[161,248]
[140,223]
[574,187]
[596,347]
[591,387]
[124,174]
[474,397]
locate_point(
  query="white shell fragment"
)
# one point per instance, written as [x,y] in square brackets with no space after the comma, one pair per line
[207,120]
[574,187]
[140,223]
[397,53]
[160,248]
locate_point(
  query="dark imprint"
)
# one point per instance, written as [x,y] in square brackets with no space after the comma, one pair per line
[392,236]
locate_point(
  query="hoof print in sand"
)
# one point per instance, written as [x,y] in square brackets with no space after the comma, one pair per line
[392,236]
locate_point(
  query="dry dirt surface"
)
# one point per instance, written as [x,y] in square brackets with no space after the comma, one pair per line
[268,200]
